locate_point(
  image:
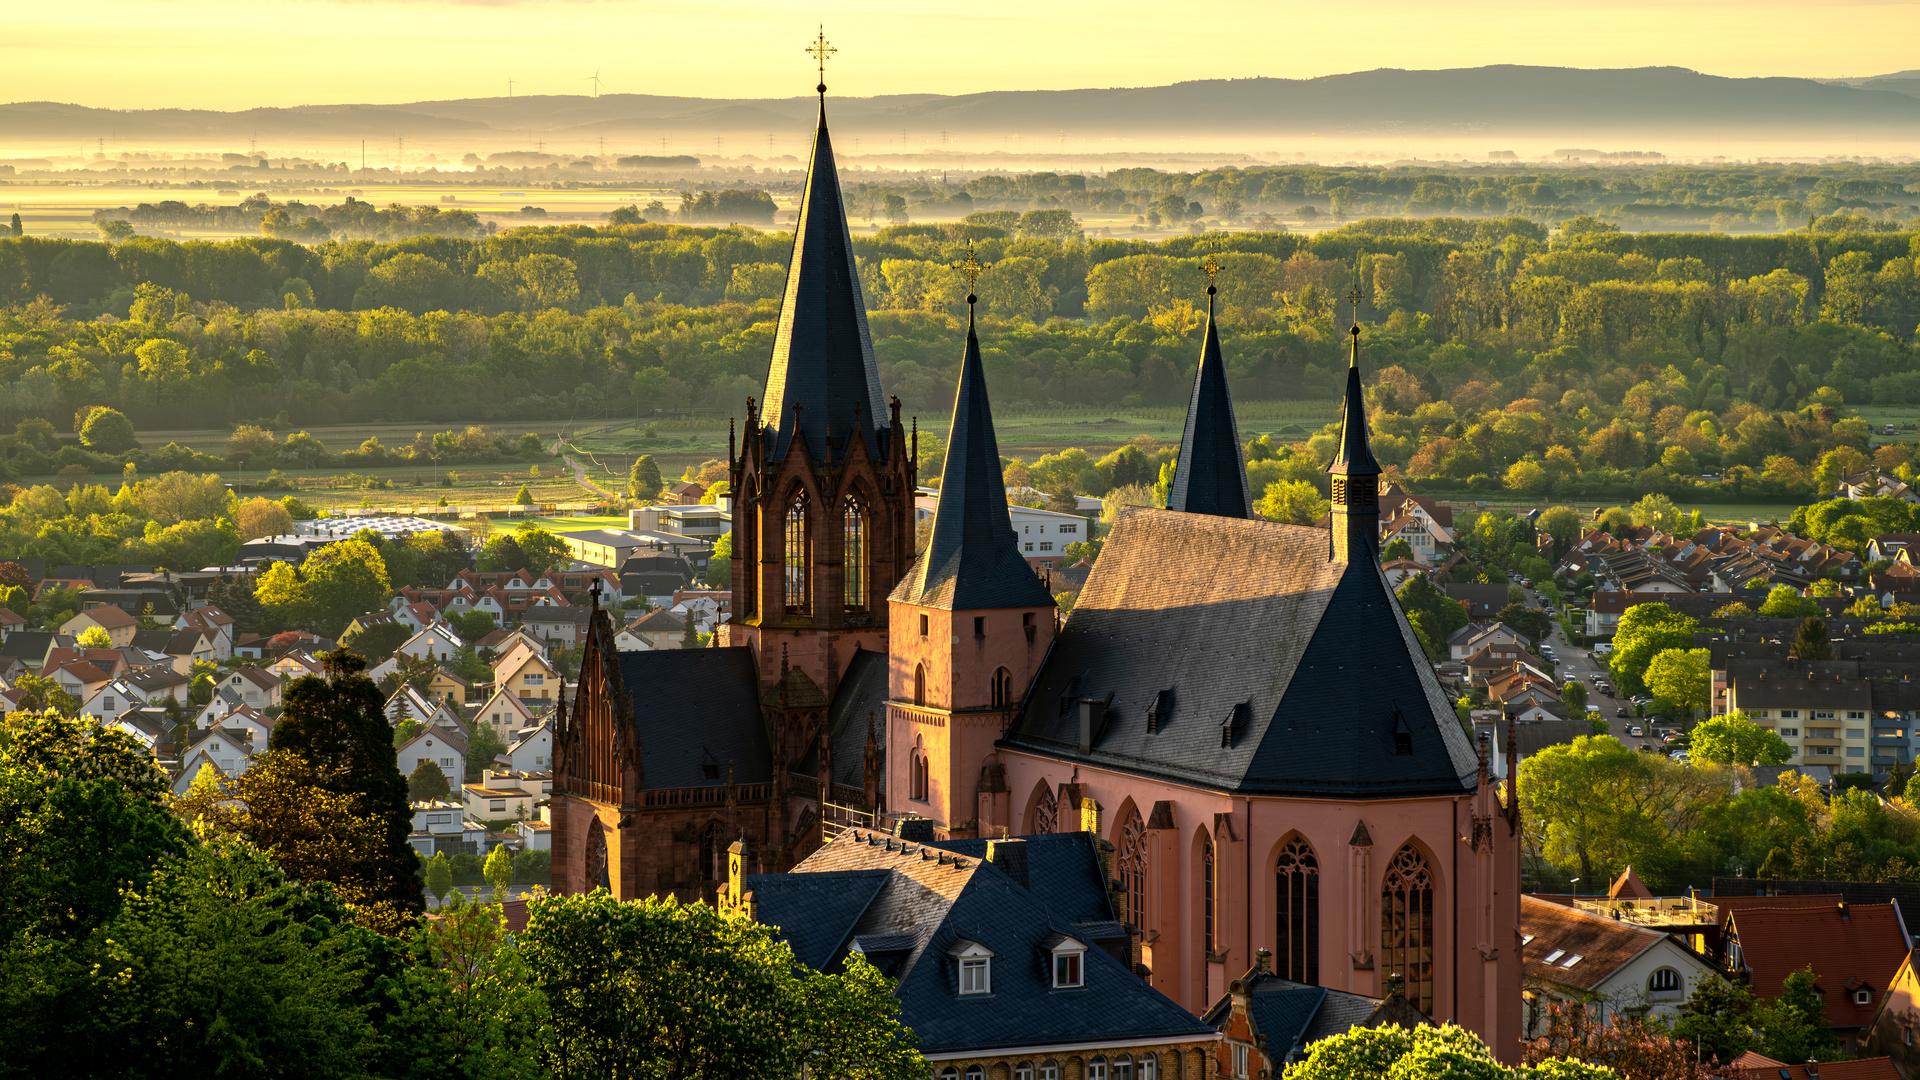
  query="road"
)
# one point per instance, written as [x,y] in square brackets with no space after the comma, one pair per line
[1576,662]
[580,472]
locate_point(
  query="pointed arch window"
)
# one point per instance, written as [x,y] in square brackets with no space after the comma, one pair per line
[856,559]
[1206,894]
[920,684]
[1296,880]
[1046,813]
[1133,867]
[1002,688]
[798,561]
[918,781]
[1406,925]
[713,853]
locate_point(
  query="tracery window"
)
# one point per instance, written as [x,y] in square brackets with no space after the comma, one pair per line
[797,561]
[1296,880]
[856,558]
[1133,868]
[1406,925]
[1045,813]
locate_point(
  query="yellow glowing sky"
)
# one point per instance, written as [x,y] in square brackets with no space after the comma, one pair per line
[225,54]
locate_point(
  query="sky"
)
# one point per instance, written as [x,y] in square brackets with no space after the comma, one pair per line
[225,54]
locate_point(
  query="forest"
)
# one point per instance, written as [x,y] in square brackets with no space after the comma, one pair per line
[1490,343]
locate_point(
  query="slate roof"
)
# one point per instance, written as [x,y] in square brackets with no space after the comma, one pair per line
[972,560]
[1209,476]
[1355,454]
[30,645]
[1289,1016]
[1248,624]
[815,913]
[861,693]
[930,899]
[1063,873]
[692,706]
[822,352]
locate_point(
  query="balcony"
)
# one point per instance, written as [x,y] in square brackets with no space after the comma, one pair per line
[1658,911]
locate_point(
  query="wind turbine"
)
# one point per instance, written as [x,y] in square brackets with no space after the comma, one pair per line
[509,84]
[595,80]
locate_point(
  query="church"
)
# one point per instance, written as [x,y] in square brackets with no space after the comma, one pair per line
[1239,707]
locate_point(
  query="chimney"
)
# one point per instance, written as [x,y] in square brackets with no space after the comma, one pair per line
[1011,857]
[1843,911]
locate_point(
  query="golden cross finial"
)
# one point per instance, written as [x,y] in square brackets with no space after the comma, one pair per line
[1353,358]
[972,268]
[1211,268]
[820,50]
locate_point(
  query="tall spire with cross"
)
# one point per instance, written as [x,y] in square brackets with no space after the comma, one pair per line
[972,560]
[823,381]
[1355,473]
[1210,476]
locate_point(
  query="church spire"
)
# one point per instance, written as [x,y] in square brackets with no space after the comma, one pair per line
[823,381]
[1356,475]
[1210,476]
[972,559]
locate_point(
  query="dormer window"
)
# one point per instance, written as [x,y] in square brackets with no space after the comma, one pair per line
[1068,955]
[1863,997]
[976,966]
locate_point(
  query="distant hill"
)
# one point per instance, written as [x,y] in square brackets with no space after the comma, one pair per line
[1484,103]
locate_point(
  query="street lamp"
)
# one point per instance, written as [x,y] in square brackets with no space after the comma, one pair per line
[1576,888]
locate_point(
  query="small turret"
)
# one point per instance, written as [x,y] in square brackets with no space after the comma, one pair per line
[1210,476]
[1356,475]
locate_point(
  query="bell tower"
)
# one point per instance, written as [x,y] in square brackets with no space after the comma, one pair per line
[823,480]
[1356,475]
[970,625]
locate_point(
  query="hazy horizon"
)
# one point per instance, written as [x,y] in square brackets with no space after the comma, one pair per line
[219,54]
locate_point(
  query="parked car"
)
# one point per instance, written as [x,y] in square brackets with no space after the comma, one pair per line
[1634,731]
[1526,583]
[1621,712]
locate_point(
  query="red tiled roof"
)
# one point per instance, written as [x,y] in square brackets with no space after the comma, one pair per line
[1602,946]
[1752,1066]
[110,617]
[1848,946]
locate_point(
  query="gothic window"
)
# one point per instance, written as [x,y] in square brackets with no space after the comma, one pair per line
[713,853]
[1296,879]
[746,543]
[856,557]
[1045,813]
[1002,688]
[1133,868]
[1206,893]
[596,875]
[1406,925]
[797,561]
[917,780]
[919,684]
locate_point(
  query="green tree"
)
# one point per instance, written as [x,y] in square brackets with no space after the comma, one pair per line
[1682,677]
[378,641]
[439,876]
[1645,630]
[427,783]
[482,747]
[542,550]
[1563,523]
[1293,502]
[1785,602]
[1445,614]
[1574,694]
[1733,739]
[1810,641]
[40,694]
[1720,1018]
[499,870]
[644,480]
[1736,610]
[338,728]
[719,573]
[93,637]
[1795,1023]
[472,625]
[1398,549]
[1659,512]
[469,1006]
[1530,622]
[653,988]
[108,431]
[523,497]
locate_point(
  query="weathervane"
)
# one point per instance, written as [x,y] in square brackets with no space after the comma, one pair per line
[820,50]
[1211,268]
[972,268]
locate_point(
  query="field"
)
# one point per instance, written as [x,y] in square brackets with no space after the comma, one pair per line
[64,209]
